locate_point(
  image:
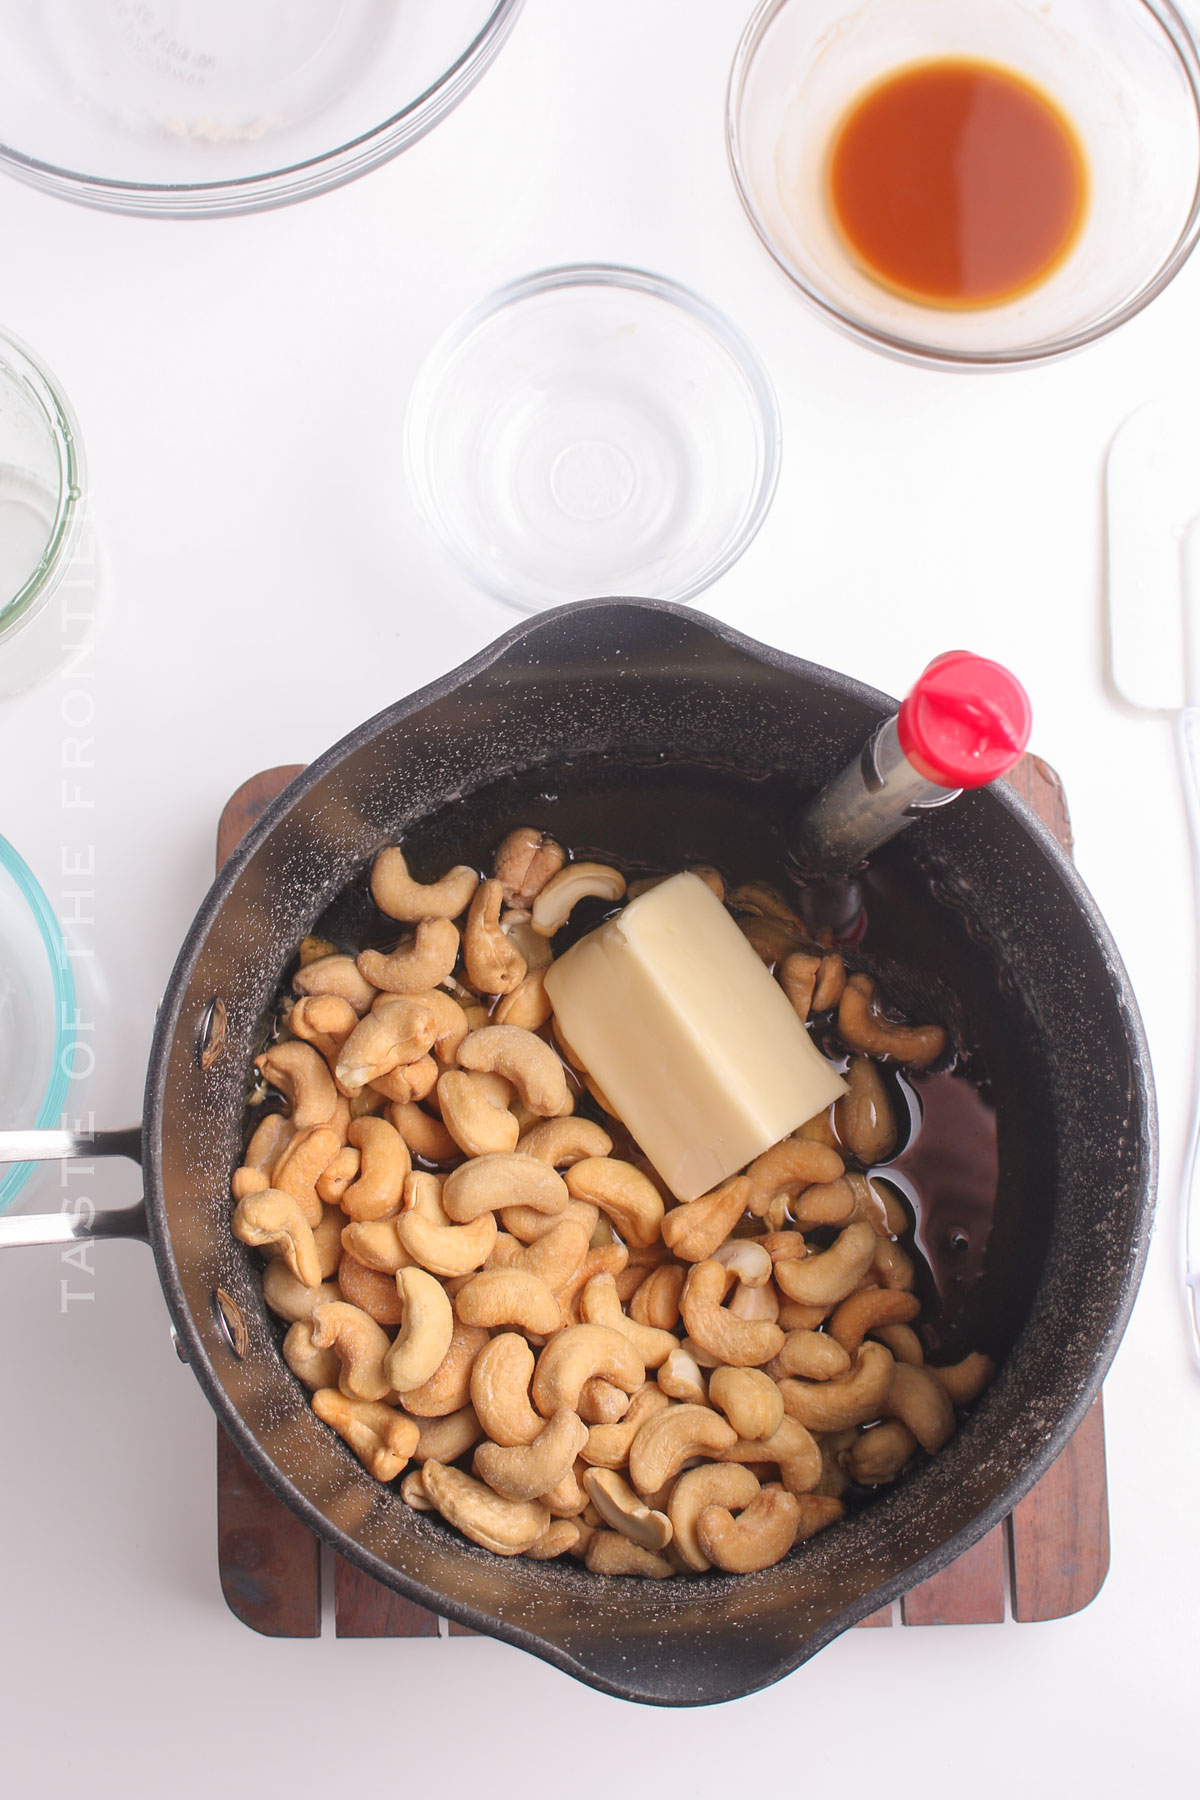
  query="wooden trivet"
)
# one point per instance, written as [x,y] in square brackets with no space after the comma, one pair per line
[1053,1547]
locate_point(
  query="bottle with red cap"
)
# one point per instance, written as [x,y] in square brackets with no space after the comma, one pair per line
[966,722]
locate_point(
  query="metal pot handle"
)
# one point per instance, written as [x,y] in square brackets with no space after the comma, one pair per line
[66,1227]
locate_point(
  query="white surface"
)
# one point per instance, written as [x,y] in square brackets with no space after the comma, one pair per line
[240,387]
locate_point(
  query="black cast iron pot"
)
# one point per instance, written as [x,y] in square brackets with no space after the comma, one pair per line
[655,735]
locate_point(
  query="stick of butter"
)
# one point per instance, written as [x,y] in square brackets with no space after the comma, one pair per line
[688,1035]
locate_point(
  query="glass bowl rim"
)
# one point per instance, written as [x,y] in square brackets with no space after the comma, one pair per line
[293,181]
[1181,39]
[46,393]
[764,408]
[14,1177]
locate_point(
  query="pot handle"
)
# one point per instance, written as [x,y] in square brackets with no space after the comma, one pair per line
[66,1227]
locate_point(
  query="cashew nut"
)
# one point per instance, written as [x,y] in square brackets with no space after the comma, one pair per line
[754,1302]
[302,1163]
[361,1347]
[506,1527]
[488,1183]
[474,1116]
[787,1167]
[396,893]
[868,1309]
[862,1028]
[268,1141]
[412,1081]
[289,1297]
[524,1471]
[600,1403]
[770,939]
[880,1453]
[681,1378]
[811,1354]
[448,1389]
[371,1291]
[382,1439]
[274,1218]
[528,1006]
[301,1075]
[417,966]
[827,1203]
[432,1241]
[865,1118]
[798,978]
[525,862]
[625,1511]
[522,1058]
[553,905]
[412,1492]
[553,1258]
[337,1175]
[561,1142]
[387,1038]
[670,1438]
[758,1538]
[448,1438]
[829,1275]
[612,1553]
[336,975]
[315,1368]
[791,1447]
[573,1356]
[964,1381]
[698,1227]
[893,1266]
[600,1305]
[385,1167]
[500,1391]
[919,1400]
[560,1538]
[831,982]
[730,1485]
[494,964]
[509,1298]
[629,1198]
[608,1445]
[324,1021]
[376,1244]
[905,1346]
[742,1342]
[425,1333]
[655,1301]
[749,1399]
[749,1262]
[528,1225]
[425,1136]
[852,1399]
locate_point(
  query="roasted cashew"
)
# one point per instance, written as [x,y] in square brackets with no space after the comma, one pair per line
[432,1241]
[417,966]
[301,1075]
[599,1305]
[862,1028]
[964,1381]
[893,1266]
[289,1297]
[376,1244]
[563,1141]
[758,1538]
[600,1403]
[525,862]
[473,1117]
[448,1438]
[905,1346]
[742,1342]
[698,1227]
[553,905]
[713,1484]
[448,1389]
[792,1448]
[494,964]
[371,1291]
[852,1399]
[831,1203]
[754,1302]
[749,1399]
[522,1058]
[361,1347]
[864,1117]
[795,1316]
[506,1527]
[324,1021]
[553,1258]
[573,1356]
[681,1378]
[301,1165]
[750,1262]
[425,1333]
[670,1438]
[810,1354]
[425,1136]
[787,1167]
[525,1471]
[500,1391]
[268,1141]
[819,1129]
[382,1439]
[608,1445]
[919,1400]
[560,1538]
[509,1298]
[868,1309]
[612,1553]
[880,1453]
[396,893]
[529,1225]
[626,1196]
[831,982]
[387,1038]
[411,1082]
[274,1218]
[338,1175]
[829,1275]
[770,939]
[335,975]
[412,1492]
[798,979]
[385,1167]
[655,1300]
[488,1183]
[315,1368]
[450,1022]
[527,1007]
[626,1511]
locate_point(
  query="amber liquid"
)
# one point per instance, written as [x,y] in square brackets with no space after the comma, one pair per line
[958,183]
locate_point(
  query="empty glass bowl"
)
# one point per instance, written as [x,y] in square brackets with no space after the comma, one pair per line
[37,1011]
[190,107]
[593,431]
[1126,73]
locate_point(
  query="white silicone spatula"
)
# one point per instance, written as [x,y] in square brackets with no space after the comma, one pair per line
[1154,649]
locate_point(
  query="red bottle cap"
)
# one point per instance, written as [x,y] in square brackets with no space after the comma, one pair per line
[965,722]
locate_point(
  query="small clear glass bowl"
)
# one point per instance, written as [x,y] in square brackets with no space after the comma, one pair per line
[193,108]
[593,431]
[37,1012]
[1125,72]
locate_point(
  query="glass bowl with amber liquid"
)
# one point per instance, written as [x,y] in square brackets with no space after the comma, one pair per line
[985,184]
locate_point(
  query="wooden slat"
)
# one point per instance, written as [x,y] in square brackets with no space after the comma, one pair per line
[269,1562]
[1060,1531]
[248,804]
[969,1592]
[366,1609]
[875,1619]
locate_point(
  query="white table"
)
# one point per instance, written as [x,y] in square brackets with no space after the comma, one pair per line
[241,387]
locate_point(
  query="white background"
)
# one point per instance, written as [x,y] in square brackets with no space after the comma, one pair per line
[241,388]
